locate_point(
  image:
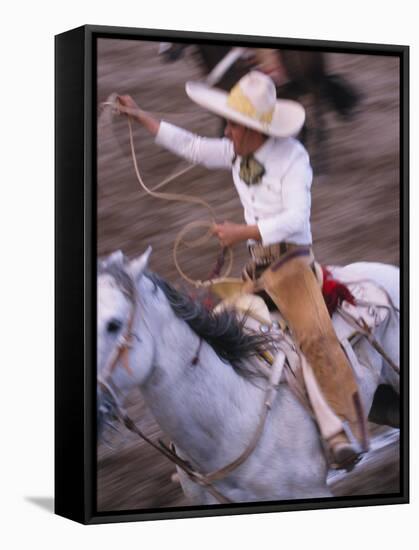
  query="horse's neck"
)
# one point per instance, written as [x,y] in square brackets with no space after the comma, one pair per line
[202,405]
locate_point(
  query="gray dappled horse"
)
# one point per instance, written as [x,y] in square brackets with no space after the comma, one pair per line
[194,370]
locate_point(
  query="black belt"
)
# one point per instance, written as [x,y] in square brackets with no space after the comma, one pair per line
[306,251]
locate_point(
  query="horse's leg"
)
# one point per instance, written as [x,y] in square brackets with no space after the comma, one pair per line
[193,492]
[385,403]
[390,341]
[321,160]
[385,408]
[223,125]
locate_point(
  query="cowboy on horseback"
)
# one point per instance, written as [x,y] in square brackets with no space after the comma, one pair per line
[272,174]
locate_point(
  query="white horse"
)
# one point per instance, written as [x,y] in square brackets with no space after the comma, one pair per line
[193,371]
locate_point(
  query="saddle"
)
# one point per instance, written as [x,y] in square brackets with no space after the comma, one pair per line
[366,309]
[369,307]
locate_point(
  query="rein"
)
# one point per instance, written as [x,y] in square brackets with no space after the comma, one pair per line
[361,326]
[207,480]
[121,351]
[161,447]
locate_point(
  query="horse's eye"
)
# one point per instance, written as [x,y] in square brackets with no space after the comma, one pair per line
[114,325]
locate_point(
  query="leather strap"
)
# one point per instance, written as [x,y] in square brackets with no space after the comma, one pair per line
[303,251]
[270,392]
[206,480]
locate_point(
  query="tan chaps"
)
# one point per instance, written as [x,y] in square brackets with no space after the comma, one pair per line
[292,285]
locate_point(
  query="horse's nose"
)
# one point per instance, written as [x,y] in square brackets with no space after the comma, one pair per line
[104,412]
[107,408]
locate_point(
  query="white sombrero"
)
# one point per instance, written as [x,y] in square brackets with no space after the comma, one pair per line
[252,102]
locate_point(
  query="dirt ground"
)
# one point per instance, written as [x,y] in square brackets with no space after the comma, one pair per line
[355,216]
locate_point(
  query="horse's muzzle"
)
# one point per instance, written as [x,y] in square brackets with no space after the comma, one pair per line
[107,412]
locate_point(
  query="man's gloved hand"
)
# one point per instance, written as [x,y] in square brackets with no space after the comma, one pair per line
[230,233]
[127,105]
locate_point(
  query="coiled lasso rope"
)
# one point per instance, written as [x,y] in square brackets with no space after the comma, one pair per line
[112,102]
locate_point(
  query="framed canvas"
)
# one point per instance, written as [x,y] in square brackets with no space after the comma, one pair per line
[231,274]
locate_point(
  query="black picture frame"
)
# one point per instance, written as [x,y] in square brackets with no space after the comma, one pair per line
[75,273]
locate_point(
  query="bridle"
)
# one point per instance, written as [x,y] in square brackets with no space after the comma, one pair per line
[122,347]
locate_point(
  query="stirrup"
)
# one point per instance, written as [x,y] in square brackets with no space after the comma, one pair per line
[354,451]
[351,438]
[347,462]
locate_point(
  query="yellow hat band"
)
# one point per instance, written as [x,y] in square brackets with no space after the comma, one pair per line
[240,103]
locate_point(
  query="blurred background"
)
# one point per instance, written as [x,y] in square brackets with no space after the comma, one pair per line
[352,135]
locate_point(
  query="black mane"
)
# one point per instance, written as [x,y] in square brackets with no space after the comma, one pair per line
[223,331]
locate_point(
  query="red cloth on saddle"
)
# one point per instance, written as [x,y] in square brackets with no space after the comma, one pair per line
[335,292]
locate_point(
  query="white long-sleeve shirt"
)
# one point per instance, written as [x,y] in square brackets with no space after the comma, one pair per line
[280,203]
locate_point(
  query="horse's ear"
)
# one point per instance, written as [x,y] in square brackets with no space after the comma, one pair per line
[116,258]
[138,265]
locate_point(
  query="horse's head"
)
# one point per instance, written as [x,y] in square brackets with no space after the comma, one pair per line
[123,354]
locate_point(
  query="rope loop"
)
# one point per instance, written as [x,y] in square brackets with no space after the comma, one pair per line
[112,103]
